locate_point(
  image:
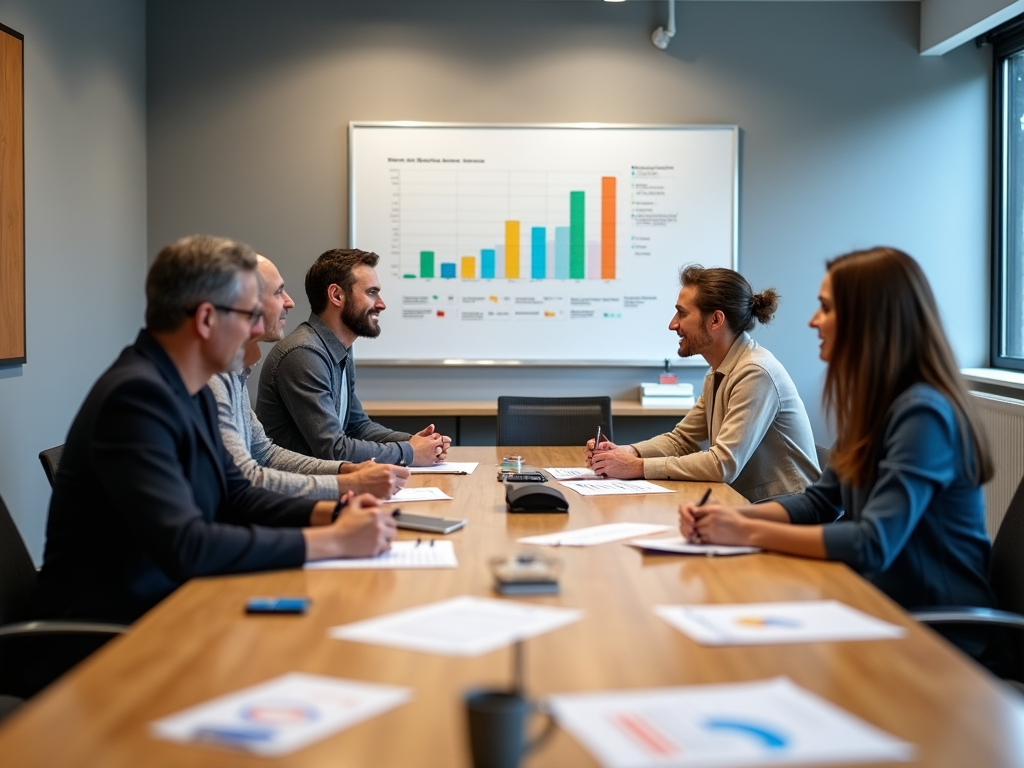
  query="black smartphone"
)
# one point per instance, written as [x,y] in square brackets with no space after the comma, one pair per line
[524,477]
[277,605]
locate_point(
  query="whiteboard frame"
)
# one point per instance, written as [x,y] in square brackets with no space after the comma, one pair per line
[695,361]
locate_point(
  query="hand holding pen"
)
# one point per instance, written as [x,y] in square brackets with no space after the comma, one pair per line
[688,520]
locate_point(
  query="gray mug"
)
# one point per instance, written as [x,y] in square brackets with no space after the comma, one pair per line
[497,727]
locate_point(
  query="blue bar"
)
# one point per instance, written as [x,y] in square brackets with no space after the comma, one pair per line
[538,253]
[562,253]
[487,263]
[447,270]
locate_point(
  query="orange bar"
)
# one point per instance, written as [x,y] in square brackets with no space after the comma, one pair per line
[511,249]
[468,267]
[607,227]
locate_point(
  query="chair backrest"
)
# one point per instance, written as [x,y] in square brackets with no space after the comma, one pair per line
[824,456]
[552,420]
[17,571]
[50,458]
[1007,571]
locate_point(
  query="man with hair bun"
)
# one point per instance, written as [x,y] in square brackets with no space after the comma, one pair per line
[749,412]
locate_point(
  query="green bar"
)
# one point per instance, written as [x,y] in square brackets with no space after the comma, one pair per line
[577,255]
[409,276]
[426,263]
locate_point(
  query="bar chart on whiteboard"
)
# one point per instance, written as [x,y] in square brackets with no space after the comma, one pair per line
[537,244]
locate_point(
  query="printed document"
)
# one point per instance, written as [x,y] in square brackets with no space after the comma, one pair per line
[680,546]
[422,553]
[462,626]
[446,468]
[732,725]
[570,473]
[808,621]
[427,493]
[595,534]
[280,715]
[614,487]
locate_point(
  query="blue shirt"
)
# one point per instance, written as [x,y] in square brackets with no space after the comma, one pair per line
[918,531]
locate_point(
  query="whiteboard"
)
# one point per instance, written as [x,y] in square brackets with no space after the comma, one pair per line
[537,244]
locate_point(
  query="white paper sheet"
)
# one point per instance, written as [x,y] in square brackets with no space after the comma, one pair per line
[423,553]
[426,493]
[570,473]
[734,725]
[281,715]
[806,621]
[446,468]
[462,626]
[680,546]
[595,534]
[614,487]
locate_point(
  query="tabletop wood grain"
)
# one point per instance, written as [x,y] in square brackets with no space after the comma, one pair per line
[198,644]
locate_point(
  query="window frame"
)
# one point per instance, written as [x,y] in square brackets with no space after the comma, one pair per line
[1007,41]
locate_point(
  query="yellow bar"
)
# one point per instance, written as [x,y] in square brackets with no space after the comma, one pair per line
[468,267]
[511,249]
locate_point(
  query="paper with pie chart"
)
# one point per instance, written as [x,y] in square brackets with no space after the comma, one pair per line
[807,621]
[734,725]
[280,715]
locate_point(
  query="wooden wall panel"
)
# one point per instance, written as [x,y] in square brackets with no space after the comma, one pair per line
[12,198]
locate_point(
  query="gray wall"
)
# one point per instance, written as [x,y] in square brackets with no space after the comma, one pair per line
[85,238]
[850,138]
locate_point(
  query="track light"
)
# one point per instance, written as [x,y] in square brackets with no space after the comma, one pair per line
[661,36]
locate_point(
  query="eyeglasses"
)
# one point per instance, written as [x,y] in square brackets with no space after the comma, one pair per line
[254,315]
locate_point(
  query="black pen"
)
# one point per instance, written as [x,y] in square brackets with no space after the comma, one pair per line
[336,512]
[396,512]
[704,498]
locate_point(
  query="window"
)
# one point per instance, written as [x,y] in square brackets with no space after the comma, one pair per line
[1008,178]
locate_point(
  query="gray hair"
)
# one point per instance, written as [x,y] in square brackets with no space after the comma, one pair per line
[190,271]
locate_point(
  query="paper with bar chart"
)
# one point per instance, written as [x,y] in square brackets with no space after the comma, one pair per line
[537,243]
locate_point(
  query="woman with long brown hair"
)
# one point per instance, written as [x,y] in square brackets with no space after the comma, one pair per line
[906,471]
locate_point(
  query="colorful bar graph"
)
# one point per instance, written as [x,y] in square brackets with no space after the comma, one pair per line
[538,252]
[511,249]
[555,252]
[607,227]
[426,263]
[577,244]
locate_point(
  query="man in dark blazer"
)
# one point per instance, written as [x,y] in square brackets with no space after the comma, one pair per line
[146,496]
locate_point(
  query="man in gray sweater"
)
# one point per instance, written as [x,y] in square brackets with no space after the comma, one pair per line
[270,466]
[307,397]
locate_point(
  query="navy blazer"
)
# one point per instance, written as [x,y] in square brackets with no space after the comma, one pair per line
[146,497]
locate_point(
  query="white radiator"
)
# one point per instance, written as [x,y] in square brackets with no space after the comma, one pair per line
[1003,418]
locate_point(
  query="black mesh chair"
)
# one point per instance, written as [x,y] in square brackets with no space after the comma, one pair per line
[50,458]
[34,653]
[1007,578]
[553,420]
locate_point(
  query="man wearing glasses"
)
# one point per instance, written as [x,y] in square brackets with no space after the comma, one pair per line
[146,496]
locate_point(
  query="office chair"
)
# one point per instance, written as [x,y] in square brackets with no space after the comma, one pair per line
[34,653]
[552,420]
[1006,576]
[50,458]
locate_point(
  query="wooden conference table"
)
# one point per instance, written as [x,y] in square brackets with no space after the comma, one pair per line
[198,644]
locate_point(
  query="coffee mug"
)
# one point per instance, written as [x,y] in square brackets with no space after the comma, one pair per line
[497,727]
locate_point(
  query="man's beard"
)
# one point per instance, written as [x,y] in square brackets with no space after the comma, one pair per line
[696,344]
[360,323]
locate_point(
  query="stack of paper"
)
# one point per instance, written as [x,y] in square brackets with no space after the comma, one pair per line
[806,621]
[281,715]
[666,395]
[733,725]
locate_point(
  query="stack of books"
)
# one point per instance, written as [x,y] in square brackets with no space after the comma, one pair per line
[666,395]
